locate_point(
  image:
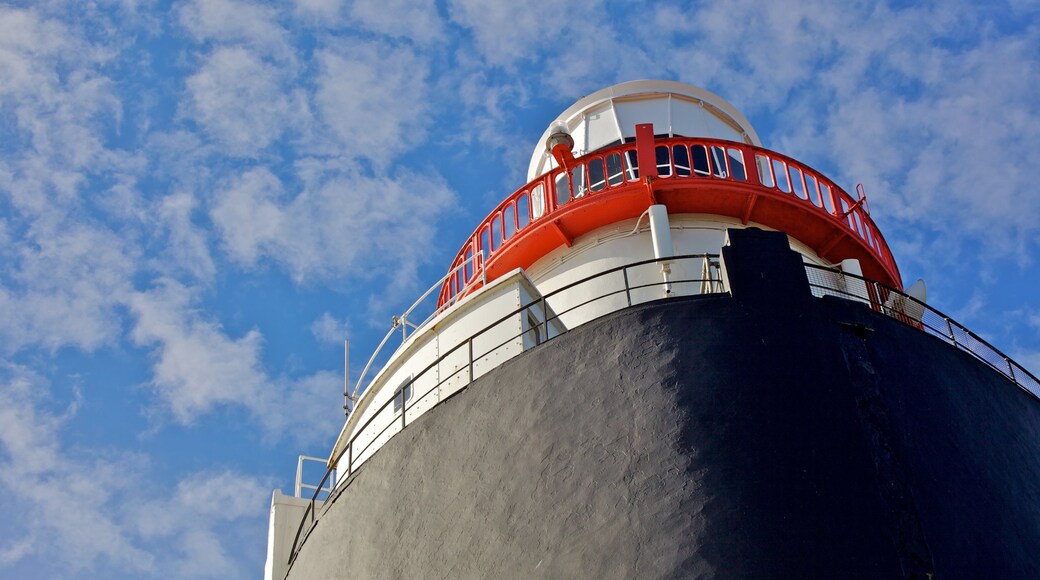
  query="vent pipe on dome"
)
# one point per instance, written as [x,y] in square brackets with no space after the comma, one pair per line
[559,144]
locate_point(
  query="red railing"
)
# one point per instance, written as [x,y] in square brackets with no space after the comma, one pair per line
[686,162]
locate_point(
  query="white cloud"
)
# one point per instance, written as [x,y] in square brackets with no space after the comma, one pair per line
[65,269]
[415,20]
[250,216]
[505,33]
[187,242]
[237,22]
[218,499]
[29,44]
[322,11]
[341,223]
[64,287]
[938,118]
[374,98]
[90,511]
[197,366]
[62,496]
[329,330]
[307,409]
[239,100]
[54,102]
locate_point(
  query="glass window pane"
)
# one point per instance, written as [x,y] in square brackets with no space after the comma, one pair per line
[578,179]
[508,222]
[597,179]
[403,395]
[825,193]
[496,231]
[700,160]
[664,164]
[811,189]
[765,174]
[796,182]
[718,161]
[563,192]
[631,165]
[523,211]
[681,156]
[467,269]
[537,202]
[780,173]
[736,164]
[614,171]
[485,246]
[845,210]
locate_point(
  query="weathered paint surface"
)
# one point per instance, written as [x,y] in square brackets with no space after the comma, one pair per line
[763,435]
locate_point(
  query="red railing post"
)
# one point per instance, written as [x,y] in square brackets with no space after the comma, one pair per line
[842,205]
[751,165]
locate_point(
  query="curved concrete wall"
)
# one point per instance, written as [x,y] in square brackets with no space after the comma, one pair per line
[764,435]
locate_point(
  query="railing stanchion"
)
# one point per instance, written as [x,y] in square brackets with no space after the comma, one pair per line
[545,319]
[975,346]
[628,292]
[470,344]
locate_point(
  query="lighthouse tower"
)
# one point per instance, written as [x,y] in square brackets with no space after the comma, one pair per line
[674,352]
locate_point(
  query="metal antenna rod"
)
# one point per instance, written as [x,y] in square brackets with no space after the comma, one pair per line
[346,378]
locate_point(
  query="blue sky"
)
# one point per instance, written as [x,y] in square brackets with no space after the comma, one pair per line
[200,200]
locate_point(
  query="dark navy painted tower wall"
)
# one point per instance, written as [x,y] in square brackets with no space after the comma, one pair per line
[764,435]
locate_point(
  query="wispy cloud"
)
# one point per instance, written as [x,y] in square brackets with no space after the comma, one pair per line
[341,223]
[188,242]
[374,98]
[239,100]
[198,368]
[506,33]
[33,464]
[176,182]
[63,287]
[87,510]
[416,21]
[329,330]
[894,97]
[239,22]
[219,499]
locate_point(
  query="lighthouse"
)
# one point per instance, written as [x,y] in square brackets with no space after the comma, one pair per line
[673,353]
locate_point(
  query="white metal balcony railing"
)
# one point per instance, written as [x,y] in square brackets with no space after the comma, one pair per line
[615,284]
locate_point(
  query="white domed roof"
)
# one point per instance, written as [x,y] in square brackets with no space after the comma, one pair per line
[610,115]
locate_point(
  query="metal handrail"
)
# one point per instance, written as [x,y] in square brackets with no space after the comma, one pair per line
[300,486]
[402,320]
[880,297]
[764,169]
[913,312]
[348,449]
